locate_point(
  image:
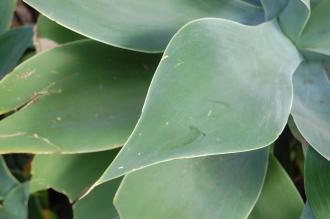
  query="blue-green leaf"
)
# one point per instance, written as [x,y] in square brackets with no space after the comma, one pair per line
[144,25]
[311,105]
[12,46]
[222,186]
[294,18]
[317,183]
[203,102]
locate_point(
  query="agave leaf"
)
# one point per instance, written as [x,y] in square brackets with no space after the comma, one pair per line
[279,197]
[311,105]
[294,18]
[12,46]
[7,180]
[273,8]
[81,97]
[144,25]
[100,201]
[69,174]
[317,186]
[202,102]
[15,203]
[307,212]
[7,8]
[316,36]
[222,186]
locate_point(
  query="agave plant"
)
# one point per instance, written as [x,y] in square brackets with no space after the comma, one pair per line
[169,109]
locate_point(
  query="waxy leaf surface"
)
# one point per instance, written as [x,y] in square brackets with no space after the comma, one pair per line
[222,186]
[202,101]
[144,25]
[317,183]
[81,97]
[311,105]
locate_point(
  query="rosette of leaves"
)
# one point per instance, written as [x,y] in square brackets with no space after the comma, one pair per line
[169,108]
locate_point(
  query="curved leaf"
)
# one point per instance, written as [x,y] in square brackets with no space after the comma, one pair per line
[7,8]
[294,18]
[100,201]
[273,8]
[70,174]
[12,46]
[202,102]
[317,183]
[315,37]
[222,186]
[45,99]
[311,105]
[144,25]
[279,197]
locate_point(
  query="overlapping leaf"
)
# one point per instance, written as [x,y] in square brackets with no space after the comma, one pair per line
[49,29]
[15,204]
[81,97]
[222,186]
[72,175]
[14,195]
[311,105]
[7,181]
[12,46]
[317,186]
[294,18]
[145,25]
[203,102]
[273,8]
[69,174]
[279,197]
[98,204]
[316,35]
[49,34]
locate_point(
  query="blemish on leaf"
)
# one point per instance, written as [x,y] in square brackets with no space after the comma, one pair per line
[308,81]
[209,113]
[193,134]
[25,75]
[180,62]
[219,102]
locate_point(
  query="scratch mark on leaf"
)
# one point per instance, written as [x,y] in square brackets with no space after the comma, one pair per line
[45,140]
[218,102]
[193,135]
[13,135]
